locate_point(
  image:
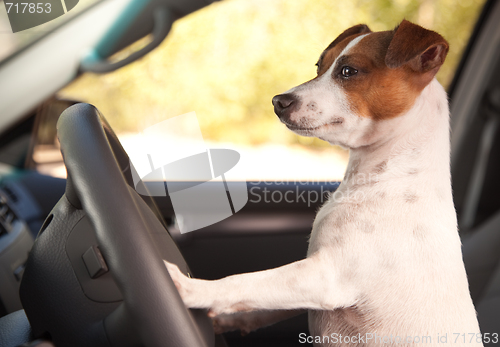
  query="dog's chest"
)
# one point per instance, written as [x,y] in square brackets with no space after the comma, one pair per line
[333,224]
[340,327]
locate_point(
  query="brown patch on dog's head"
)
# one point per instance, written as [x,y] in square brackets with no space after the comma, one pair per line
[392,67]
[333,50]
[419,50]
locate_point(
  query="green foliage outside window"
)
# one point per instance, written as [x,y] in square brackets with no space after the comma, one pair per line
[227,61]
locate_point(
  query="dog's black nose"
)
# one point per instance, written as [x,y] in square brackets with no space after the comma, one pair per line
[283,103]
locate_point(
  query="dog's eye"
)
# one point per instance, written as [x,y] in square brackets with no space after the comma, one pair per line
[348,71]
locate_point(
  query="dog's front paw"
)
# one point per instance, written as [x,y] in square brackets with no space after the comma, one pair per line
[198,293]
[183,284]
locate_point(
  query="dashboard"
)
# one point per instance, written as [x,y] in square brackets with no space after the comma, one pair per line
[23,210]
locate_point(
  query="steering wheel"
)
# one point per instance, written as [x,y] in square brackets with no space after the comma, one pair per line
[133,244]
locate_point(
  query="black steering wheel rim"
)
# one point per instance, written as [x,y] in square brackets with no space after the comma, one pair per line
[99,182]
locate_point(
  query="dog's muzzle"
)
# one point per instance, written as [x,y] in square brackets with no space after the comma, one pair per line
[285,104]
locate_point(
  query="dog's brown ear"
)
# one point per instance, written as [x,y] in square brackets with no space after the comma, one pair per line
[423,50]
[357,29]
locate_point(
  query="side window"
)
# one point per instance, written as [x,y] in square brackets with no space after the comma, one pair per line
[44,152]
[227,61]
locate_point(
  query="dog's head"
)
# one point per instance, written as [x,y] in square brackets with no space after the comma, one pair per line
[364,77]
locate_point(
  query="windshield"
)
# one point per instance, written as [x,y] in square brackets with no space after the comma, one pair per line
[11,43]
[224,64]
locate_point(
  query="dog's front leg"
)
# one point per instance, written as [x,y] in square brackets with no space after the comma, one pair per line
[311,283]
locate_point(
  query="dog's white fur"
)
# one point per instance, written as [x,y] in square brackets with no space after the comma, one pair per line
[384,256]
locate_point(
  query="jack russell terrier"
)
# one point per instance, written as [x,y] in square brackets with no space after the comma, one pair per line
[384,264]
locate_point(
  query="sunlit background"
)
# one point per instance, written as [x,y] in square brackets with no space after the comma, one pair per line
[227,61]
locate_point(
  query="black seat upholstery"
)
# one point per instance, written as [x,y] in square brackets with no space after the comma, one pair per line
[481,253]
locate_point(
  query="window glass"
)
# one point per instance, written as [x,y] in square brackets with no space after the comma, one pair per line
[227,61]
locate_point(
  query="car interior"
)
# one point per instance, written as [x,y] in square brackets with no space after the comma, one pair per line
[57,288]
[474,168]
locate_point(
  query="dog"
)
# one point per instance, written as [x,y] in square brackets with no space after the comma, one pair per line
[384,264]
